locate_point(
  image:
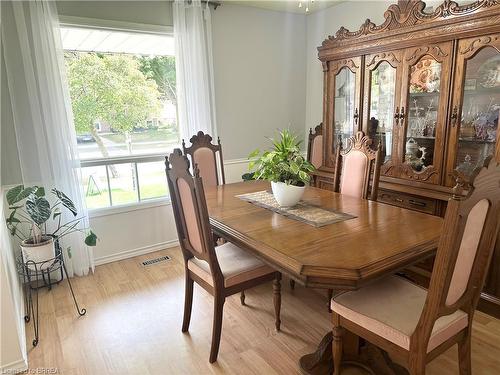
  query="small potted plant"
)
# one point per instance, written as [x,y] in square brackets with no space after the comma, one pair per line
[286,168]
[28,221]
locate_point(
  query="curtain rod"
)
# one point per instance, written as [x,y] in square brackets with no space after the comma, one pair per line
[215,4]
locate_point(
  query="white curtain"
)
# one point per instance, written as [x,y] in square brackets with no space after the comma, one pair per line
[194,68]
[42,114]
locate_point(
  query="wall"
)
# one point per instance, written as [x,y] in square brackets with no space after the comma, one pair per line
[259,70]
[13,356]
[259,62]
[145,12]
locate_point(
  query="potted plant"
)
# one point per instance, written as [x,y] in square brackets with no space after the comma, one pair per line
[286,168]
[28,221]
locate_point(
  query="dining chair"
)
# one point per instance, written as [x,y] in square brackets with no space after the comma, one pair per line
[354,166]
[415,325]
[208,157]
[314,156]
[357,171]
[223,270]
[315,146]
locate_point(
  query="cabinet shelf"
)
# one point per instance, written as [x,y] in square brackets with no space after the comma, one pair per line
[424,94]
[475,140]
[483,90]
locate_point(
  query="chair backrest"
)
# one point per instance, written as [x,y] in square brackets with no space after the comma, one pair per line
[315,146]
[208,157]
[465,249]
[354,166]
[190,210]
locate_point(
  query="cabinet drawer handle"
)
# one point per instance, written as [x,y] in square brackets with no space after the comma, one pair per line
[356,116]
[417,203]
[399,200]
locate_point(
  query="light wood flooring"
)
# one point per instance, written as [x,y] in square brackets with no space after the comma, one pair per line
[133,326]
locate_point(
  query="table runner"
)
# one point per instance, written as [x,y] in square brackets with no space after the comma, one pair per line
[303,211]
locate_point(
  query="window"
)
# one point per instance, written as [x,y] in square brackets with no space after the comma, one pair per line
[123,94]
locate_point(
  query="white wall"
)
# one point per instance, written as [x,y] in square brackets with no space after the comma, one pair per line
[145,12]
[259,62]
[13,356]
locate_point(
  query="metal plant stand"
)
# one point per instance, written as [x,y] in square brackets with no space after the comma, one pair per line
[37,275]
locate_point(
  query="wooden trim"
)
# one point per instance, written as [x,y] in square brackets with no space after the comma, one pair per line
[409,17]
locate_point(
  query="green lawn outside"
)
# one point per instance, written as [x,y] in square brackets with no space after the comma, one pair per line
[121,196]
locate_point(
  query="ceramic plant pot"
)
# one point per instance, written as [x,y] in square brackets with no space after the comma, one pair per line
[38,253]
[287,195]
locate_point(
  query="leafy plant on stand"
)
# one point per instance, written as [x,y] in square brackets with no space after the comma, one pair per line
[31,211]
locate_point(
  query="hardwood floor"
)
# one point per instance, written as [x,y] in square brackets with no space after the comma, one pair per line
[134,317]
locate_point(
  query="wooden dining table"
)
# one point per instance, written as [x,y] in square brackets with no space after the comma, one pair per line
[380,240]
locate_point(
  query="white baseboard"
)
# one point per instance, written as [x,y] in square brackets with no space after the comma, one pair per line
[135,252]
[15,367]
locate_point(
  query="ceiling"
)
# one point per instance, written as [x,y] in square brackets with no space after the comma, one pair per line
[291,6]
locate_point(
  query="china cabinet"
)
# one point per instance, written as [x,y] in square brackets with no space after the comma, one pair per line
[425,85]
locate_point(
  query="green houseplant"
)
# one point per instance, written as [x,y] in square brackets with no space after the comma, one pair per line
[285,167]
[30,212]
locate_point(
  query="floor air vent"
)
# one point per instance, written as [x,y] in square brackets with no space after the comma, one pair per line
[155,260]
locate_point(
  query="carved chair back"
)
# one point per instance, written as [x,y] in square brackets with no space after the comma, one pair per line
[190,211]
[315,146]
[464,252]
[354,166]
[208,157]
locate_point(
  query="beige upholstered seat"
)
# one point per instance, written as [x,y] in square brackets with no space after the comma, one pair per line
[391,308]
[237,266]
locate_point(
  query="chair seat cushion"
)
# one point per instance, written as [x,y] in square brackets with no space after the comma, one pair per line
[391,308]
[236,265]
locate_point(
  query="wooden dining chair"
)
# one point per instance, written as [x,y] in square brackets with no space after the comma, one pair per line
[315,146]
[357,168]
[415,325]
[357,171]
[314,156]
[208,157]
[223,270]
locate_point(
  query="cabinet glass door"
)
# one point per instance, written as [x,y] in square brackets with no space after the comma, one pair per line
[344,102]
[475,117]
[343,83]
[422,115]
[381,89]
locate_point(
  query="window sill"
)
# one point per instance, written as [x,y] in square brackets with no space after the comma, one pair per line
[116,210]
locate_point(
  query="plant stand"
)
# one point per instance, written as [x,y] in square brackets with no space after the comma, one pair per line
[37,275]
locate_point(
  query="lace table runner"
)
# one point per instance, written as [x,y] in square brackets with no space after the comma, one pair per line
[305,212]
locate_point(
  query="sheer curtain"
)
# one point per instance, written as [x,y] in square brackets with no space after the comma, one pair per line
[194,68]
[42,114]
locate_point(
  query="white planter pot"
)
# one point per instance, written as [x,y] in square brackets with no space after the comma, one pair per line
[38,253]
[287,195]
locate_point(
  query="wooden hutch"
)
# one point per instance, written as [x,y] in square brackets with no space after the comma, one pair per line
[426,85]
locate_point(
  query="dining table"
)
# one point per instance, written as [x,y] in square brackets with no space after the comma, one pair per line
[372,241]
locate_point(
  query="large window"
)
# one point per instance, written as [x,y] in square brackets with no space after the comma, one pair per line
[123,94]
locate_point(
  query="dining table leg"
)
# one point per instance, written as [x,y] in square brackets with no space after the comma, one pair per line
[356,353]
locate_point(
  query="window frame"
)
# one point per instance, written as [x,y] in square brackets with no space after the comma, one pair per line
[113,25]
